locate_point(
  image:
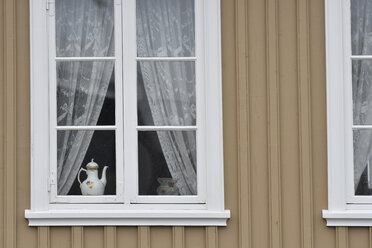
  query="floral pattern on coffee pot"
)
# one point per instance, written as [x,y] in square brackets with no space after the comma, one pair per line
[93,185]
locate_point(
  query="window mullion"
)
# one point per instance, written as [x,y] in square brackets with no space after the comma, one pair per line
[130,100]
[119,119]
[200,100]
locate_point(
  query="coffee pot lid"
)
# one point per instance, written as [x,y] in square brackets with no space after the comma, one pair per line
[92,165]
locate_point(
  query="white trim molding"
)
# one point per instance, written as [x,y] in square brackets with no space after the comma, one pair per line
[127,218]
[344,207]
[348,217]
[127,207]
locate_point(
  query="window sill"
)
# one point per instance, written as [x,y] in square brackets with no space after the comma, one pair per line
[348,217]
[127,218]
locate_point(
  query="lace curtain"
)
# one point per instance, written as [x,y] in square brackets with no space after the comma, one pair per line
[361,21]
[166,28]
[84,28]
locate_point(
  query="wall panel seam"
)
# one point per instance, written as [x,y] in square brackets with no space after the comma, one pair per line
[10,124]
[342,240]
[304,124]
[212,237]
[244,195]
[110,236]
[273,123]
[77,237]
[43,237]
[144,240]
[178,237]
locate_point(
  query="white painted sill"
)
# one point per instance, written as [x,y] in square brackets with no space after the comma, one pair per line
[127,217]
[348,217]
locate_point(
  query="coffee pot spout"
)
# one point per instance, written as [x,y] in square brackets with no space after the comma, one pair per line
[103,178]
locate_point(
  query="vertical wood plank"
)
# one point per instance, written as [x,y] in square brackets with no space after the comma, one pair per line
[161,237]
[304,124]
[323,235]
[93,237]
[144,237]
[289,125]
[110,236]
[342,237]
[127,236]
[2,124]
[358,237]
[26,236]
[227,236]
[273,122]
[178,237]
[244,188]
[212,237]
[258,118]
[77,237]
[195,237]
[60,237]
[9,180]
[43,237]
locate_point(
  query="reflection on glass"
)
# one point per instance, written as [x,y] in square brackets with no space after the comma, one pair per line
[167,163]
[75,149]
[84,28]
[165,28]
[85,93]
[166,93]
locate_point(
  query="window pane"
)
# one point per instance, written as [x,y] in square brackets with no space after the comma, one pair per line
[166,93]
[75,149]
[362,92]
[361,27]
[363,162]
[85,28]
[85,93]
[165,28]
[167,163]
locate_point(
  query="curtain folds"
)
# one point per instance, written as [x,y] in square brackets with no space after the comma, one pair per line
[84,28]
[361,38]
[166,28]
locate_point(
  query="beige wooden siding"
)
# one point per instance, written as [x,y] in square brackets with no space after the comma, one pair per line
[274,136]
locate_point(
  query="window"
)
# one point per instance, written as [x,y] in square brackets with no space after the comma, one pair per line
[349,107]
[126,113]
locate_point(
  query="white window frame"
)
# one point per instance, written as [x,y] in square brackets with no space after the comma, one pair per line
[127,208]
[117,127]
[344,208]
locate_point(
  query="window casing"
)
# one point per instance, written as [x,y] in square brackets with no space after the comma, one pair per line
[347,204]
[126,206]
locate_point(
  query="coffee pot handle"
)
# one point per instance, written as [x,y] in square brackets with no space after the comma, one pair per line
[81,169]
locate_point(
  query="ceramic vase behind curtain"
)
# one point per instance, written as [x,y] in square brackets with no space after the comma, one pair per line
[165,28]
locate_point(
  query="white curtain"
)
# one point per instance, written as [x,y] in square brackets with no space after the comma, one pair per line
[83,28]
[166,28]
[361,21]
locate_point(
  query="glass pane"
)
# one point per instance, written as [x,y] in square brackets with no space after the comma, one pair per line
[165,28]
[166,93]
[85,28]
[75,149]
[167,163]
[362,92]
[85,93]
[363,162]
[361,27]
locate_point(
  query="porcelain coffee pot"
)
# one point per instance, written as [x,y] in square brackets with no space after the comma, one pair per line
[93,185]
